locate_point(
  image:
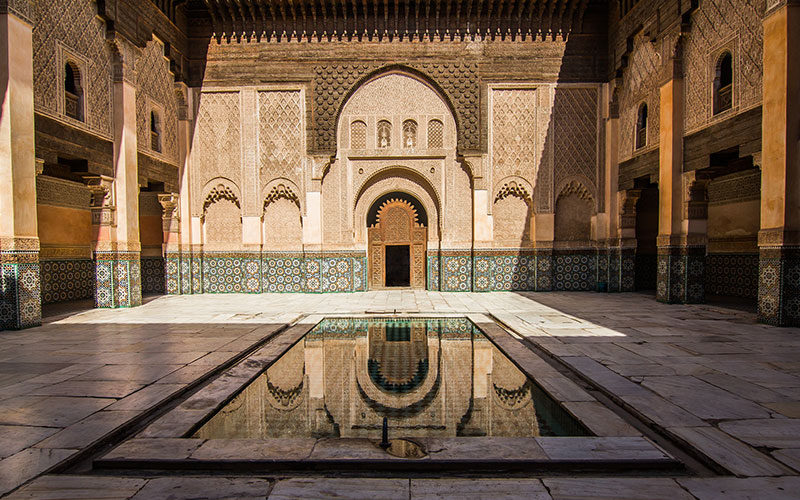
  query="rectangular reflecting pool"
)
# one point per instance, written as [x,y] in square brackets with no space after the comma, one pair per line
[430,377]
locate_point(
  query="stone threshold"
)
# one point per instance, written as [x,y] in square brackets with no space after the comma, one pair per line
[166,442]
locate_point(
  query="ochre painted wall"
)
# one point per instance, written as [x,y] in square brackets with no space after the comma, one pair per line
[64,226]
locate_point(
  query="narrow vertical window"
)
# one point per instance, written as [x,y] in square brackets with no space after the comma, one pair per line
[155,131]
[409,134]
[358,135]
[641,126]
[384,134]
[435,134]
[73,92]
[723,83]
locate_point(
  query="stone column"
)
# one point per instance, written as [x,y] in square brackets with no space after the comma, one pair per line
[117,257]
[179,258]
[171,247]
[779,237]
[20,286]
[680,270]
[623,265]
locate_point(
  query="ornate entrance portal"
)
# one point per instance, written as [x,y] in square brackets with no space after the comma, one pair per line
[397,244]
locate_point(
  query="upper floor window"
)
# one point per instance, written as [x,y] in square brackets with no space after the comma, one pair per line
[155,131]
[435,134]
[641,126]
[409,134]
[358,135]
[384,134]
[73,92]
[723,83]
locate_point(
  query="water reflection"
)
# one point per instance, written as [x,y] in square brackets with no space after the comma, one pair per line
[430,377]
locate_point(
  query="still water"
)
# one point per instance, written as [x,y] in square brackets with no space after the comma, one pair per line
[431,377]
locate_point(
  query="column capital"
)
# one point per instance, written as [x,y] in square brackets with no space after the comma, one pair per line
[170,204]
[102,202]
[124,59]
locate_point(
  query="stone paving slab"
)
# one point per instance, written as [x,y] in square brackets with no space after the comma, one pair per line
[344,488]
[615,489]
[478,489]
[79,488]
[757,488]
[744,365]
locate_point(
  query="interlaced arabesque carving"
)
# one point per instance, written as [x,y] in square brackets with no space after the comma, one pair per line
[217,149]
[72,23]
[512,188]
[281,191]
[157,83]
[514,132]
[458,80]
[576,188]
[220,192]
[575,133]
[280,135]
[640,84]
[714,24]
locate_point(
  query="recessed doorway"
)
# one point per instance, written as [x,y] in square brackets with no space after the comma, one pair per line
[398,265]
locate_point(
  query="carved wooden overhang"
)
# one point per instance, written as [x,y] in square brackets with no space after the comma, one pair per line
[396,19]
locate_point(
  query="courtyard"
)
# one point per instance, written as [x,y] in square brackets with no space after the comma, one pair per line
[716,390]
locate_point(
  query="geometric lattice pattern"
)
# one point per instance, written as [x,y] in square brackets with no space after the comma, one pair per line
[64,280]
[118,279]
[153,277]
[575,133]
[681,276]
[513,133]
[733,275]
[574,272]
[280,135]
[217,145]
[74,24]
[156,83]
[20,294]
[779,286]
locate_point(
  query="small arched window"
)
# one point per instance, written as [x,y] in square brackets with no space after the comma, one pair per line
[435,134]
[409,134]
[384,134]
[155,131]
[723,83]
[358,135]
[73,92]
[641,126]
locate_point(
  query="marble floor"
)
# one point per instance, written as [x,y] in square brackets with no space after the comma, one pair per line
[710,379]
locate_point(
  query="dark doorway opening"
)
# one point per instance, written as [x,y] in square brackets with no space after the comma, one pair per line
[645,276]
[398,265]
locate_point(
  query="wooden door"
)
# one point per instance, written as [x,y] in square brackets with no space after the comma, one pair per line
[397,224]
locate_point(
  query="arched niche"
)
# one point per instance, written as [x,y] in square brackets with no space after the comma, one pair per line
[396,179]
[282,227]
[512,212]
[573,215]
[399,98]
[222,216]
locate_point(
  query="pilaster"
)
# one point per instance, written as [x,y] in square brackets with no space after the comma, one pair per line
[779,237]
[20,283]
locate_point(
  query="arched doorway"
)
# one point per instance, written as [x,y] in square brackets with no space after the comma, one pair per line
[397,236]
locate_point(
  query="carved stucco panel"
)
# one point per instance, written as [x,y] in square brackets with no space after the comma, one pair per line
[640,85]
[72,24]
[216,148]
[575,133]
[734,25]
[513,134]
[156,85]
[280,136]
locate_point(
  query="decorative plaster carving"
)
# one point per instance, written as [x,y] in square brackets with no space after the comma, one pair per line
[280,135]
[156,85]
[575,133]
[513,147]
[72,25]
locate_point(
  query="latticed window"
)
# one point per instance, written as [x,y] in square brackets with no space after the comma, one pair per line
[384,134]
[358,135]
[155,131]
[435,134]
[641,126]
[723,83]
[73,92]
[409,134]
